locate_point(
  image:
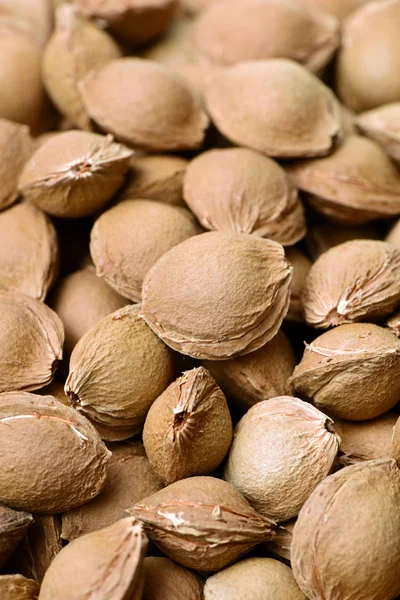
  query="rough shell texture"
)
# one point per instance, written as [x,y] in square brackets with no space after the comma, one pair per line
[352,371]
[231,31]
[323,236]
[62,462]
[29,256]
[340,8]
[127,240]
[130,478]
[240,190]
[76,47]
[104,564]
[383,125]
[165,580]
[75,173]
[393,323]
[117,370]
[280,545]
[253,578]
[370,36]
[167,115]
[356,184]
[133,22]
[349,512]
[256,376]
[156,177]
[202,523]
[17,587]
[365,440]
[16,146]
[218,295]
[31,339]
[395,447]
[81,300]
[282,449]
[357,280]
[188,429]
[13,526]
[285,112]
[301,266]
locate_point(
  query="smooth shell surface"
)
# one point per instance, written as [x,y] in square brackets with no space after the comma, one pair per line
[382,124]
[167,115]
[350,511]
[74,173]
[127,240]
[104,564]
[52,458]
[29,254]
[202,523]
[355,281]
[351,371]
[240,190]
[285,112]
[231,31]
[16,147]
[165,580]
[218,295]
[31,339]
[340,8]
[282,449]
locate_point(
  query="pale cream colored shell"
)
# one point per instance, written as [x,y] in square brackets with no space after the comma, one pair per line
[301,266]
[356,184]
[127,240]
[256,578]
[395,446]
[285,111]
[393,323]
[35,17]
[340,8]
[351,511]
[382,124]
[232,31]
[368,72]
[218,295]
[29,254]
[166,579]
[354,281]
[16,146]
[174,48]
[17,587]
[75,48]
[117,370]
[365,440]
[167,115]
[243,191]
[107,564]
[282,449]
[352,371]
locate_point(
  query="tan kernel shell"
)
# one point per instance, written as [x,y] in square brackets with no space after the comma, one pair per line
[34,17]
[365,440]
[75,173]
[188,429]
[282,449]
[280,545]
[220,308]
[202,523]
[351,371]
[166,579]
[31,339]
[301,266]
[13,527]
[195,76]
[130,478]
[117,370]
[300,118]
[356,184]
[393,236]
[62,462]
[81,300]
[370,37]
[256,376]
[167,115]
[240,190]
[107,564]
[75,48]
[357,280]
[341,9]
[133,22]
[321,237]
[17,587]
[256,578]
[29,254]
[174,48]
[393,323]
[350,511]
[382,124]
[16,146]
[395,445]
[129,238]
[232,31]
[155,177]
